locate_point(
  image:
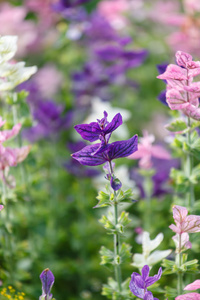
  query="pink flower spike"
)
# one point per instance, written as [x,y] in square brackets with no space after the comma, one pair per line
[174,72]
[183,58]
[1,207]
[190,296]
[193,286]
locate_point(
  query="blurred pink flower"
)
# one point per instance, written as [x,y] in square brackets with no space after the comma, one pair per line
[10,157]
[193,286]
[12,22]
[1,207]
[114,11]
[48,79]
[184,223]
[146,151]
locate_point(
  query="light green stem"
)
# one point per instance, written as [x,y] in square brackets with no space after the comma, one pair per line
[117,267]
[188,169]
[180,274]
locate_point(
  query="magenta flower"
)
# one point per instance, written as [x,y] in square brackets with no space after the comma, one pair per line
[146,151]
[193,286]
[139,283]
[182,93]
[184,223]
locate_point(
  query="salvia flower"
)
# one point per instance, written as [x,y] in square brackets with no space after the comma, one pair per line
[184,223]
[191,287]
[12,74]
[140,283]
[182,93]
[147,256]
[97,154]
[47,279]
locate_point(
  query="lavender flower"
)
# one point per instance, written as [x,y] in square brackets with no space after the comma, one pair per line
[47,279]
[139,283]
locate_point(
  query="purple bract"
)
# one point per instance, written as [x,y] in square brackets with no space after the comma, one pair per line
[139,283]
[47,279]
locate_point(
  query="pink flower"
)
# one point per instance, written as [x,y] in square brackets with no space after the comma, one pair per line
[1,207]
[114,12]
[146,151]
[185,243]
[10,157]
[182,93]
[184,223]
[193,286]
[190,296]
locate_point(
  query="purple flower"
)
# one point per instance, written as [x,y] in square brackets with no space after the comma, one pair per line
[47,279]
[90,157]
[100,129]
[139,283]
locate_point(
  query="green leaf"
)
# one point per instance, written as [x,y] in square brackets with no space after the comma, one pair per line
[108,223]
[177,126]
[107,256]
[125,252]
[104,200]
[126,196]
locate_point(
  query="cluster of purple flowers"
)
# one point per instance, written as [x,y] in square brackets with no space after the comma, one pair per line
[49,117]
[103,152]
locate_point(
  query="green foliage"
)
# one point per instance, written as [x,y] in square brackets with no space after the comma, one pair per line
[177,126]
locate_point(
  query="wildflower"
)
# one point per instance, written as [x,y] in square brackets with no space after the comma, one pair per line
[146,151]
[190,296]
[148,245]
[12,74]
[184,223]
[47,279]
[182,93]
[139,283]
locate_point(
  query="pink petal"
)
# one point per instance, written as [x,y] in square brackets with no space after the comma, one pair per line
[175,228]
[22,153]
[1,207]
[160,152]
[191,224]
[174,72]
[192,111]
[179,213]
[7,134]
[190,296]
[182,58]
[193,286]
[141,152]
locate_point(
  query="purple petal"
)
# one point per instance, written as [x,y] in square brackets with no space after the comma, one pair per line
[89,132]
[114,124]
[47,279]
[86,158]
[139,281]
[145,272]
[123,148]
[148,296]
[152,280]
[134,288]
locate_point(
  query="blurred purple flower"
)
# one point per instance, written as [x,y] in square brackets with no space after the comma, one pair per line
[47,279]
[162,168]
[162,96]
[139,283]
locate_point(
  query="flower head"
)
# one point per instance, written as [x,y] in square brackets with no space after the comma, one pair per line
[182,93]
[47,279]
[139,283]
[184,223]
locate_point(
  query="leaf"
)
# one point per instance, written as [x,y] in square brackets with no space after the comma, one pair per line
[104,200]
[177,126]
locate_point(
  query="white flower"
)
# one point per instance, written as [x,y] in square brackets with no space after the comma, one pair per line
[148,258]
[12,74]
[8,47]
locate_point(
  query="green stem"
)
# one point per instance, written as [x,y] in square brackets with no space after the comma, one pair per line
[117,267]
[189,166]
[148,193]
[180,274]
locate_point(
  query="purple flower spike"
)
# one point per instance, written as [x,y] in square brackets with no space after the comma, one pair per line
[47,279]
[87,156]
[100,129]
[139,283]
